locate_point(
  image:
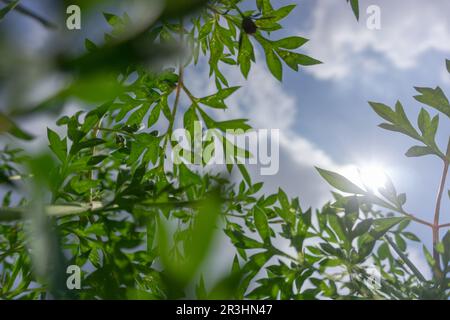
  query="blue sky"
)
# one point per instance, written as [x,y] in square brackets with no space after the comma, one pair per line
[322,111]
[363,65]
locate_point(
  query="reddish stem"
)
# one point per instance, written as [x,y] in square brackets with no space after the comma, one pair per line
[437,211]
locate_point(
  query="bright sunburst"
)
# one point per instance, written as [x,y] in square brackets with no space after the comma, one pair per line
[373,176]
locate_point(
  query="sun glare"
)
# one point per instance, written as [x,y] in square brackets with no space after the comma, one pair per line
[373,176]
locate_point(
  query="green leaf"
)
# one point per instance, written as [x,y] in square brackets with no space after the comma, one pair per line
[286,212]
[138,115]
[428,126]
[7,125]
[400,242]
[411,236]
[403,225]
[82,186]
[383,225]
[383,111]
[96,159]
[58,146]
[89,45]
[293,42]
[429,257]
[282,12]
[242,241]
[440,247]
[209,122]
[189,119]
[434,98]
[235,124]
[362,228]
[257,261]
[261,223]
[447,63]
[294,59]
[419,151]
[245,174]
[225,93]
[246,55]
[337,226]
[424,121]
[136,151]
[329,249]
[399,122]
[383,251]
[165,108]
[86,144]
[154,115]
[217,100]
[200,290]
[340,182]
[401,199]
[304,60]
[274,64]
[112,19]
[446,243]
[284,200]
[355,7]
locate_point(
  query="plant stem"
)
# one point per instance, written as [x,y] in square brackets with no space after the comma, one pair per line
[19,177]
[92,174]
[238,10]
[175,105]
[177,100]
[418,220]
[400,210]
[12,214]
[27,12]
[189,94]
[286,255]
[437,211]
[59,210]
[411,265]
[213,9]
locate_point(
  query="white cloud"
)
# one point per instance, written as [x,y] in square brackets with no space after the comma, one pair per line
[408,30]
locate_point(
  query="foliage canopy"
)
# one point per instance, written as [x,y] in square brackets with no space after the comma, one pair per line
[106,199]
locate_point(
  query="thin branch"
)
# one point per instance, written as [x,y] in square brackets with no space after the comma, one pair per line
[238,10]
[437,210]
[384,204]
[414,218]
[406,259]
[27,12]
[446,225]
[189,94]
[244,216]
[59,210]
[177,100]
[286,255]
[216,11]
[20,177]
[12,214]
